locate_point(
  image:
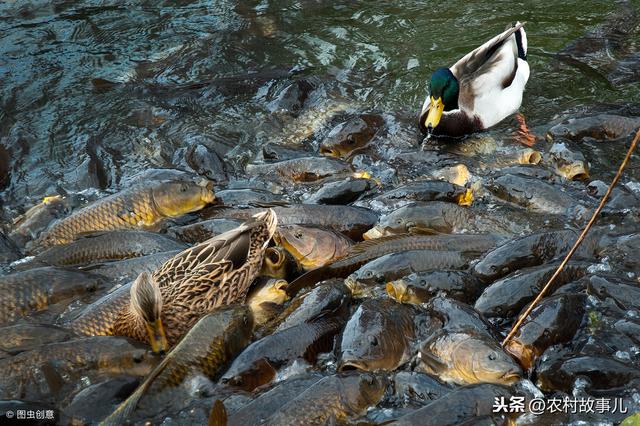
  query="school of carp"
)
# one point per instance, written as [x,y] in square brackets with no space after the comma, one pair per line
[343,275]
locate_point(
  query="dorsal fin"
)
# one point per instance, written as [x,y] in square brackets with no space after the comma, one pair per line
[363,246]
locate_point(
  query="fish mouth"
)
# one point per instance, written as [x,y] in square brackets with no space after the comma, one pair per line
[352,365]
[396,290]
[353,285]
[576,171]
[511,377]
[207,195]
[530,156]
[329,152]
[373,233]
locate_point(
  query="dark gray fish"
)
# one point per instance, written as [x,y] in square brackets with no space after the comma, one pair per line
[554,320]
[535,249]
[378,336]
[104,246]
[351,135]
[200,231]
[420,288]
[258,363]
[125,271]
[270,401]
[433,217]
[532,194]
[333,399]
[602,373]
[329,296]
[601,127]
[351,221]
[417,389]
[506,298]
[340,192]
[397,265]
[23,293]
[462,404]
[305,169]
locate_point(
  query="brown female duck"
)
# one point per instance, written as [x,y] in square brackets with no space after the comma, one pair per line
[213,273]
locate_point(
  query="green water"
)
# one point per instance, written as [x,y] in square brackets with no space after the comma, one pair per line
[375,54]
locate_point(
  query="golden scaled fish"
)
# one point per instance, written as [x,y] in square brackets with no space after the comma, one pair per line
[109,245]
[208,346]
[466,357]
[23,293]
[140,207]
[42,371]
[332,400]
[312,247]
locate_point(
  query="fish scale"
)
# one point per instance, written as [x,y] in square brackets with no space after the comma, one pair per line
[74,358]
[36,289]
[214,340]
[140,206]
[109,245]
[101,217]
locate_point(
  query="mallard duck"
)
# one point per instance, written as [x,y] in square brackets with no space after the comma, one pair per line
[479,90]
[213,273]
[146,305]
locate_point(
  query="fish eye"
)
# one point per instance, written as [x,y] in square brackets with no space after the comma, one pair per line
[350,139]
[137,358]
[368,274]
[373,340]
[298,234]
[399,221]
[183,188]
[492,356]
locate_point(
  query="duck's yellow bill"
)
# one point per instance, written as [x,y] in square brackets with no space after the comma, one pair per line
[435,113]
[157,338]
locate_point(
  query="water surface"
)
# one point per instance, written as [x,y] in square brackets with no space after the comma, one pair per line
[65,131]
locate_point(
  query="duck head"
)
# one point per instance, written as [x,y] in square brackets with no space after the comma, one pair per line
[443,96]
[146,303]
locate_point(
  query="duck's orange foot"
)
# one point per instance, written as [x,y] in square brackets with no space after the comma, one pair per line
[523,134]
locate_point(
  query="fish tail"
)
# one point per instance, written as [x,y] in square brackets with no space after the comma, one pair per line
[218,415]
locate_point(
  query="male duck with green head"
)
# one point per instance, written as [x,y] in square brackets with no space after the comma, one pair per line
[481,89]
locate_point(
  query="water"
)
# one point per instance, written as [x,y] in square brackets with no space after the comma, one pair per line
[65,133]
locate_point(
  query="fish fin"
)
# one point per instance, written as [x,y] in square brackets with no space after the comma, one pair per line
[306,280]
[218,415]
[418,230]
[364,246]
[269,204]
[89,234]
[53,378]
[430,363]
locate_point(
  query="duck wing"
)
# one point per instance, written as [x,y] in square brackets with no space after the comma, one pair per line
[231,247]
[492,66]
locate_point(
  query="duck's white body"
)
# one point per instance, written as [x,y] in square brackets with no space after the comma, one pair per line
[492,79]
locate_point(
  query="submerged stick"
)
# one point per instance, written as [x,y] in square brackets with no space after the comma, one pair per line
[586,229]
